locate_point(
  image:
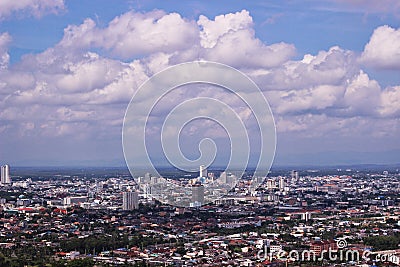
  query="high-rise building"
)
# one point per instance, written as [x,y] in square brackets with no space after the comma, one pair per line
[147,178]
[222,178]
[130,200]
[231,180]
[282,183]
[99,187]
[271,184]
[197,195]
[77,200]
[203,171]
[295,175]
[5,175]
[146,190]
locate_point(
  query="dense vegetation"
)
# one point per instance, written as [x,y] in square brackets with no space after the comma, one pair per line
[383,242]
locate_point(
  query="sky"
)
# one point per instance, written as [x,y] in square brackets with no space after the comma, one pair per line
[330,71]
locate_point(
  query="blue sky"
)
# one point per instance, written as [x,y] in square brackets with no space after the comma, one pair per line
[330,70]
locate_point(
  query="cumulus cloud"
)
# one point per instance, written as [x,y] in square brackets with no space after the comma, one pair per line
[390,102]
[5,39]
[134,34]
[315,99]
[231,39]
[37,8]
[362,95]
[383,49]
[227,38]
[63,96]
[332,67]
[359,96]
[315,84]
[70,90]
[213,30]
[329,83]
[89,74]
[356,132]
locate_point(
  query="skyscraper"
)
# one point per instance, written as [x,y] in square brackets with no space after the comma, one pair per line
[203,171]
[130,200]
[231,180]
[271,184]
[282,183]
[197,195]
[5,175]
[222,178]
[295,175]
[147,178]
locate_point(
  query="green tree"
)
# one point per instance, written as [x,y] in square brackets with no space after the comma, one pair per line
[3,261]
[81,263]
[383,242]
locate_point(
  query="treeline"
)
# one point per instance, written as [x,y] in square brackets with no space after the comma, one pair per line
[109,242]
[383,242]
[42,261]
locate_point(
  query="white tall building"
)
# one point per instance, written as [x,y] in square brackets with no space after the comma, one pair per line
[295,175]
[203,171]
[271,184]
[130,200]
[146,190]
[231,179]
[197,196]
[5,175]
[147,178]
[222,178]
[77,200]
[282,183]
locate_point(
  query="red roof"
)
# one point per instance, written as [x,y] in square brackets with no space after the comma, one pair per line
[64,211]
[26,209]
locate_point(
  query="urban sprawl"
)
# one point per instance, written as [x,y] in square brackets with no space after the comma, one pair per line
[343,217]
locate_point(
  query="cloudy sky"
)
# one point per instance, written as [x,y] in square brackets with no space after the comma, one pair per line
[329,69]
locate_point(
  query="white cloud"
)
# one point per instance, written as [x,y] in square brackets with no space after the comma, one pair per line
[80,36]
[5,39]
[67,114]
[134,34]
[362,96]
[122,88]
[37,8]
[329,83]
[315,99]
[90,73]
[332,67]
[231,39]
[390,102]
[332,131]
[213,30]
[68,90]
[383,49]
[315,84]
[315,125]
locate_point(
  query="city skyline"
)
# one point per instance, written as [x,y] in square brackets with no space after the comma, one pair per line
[295,217]
[328,70]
